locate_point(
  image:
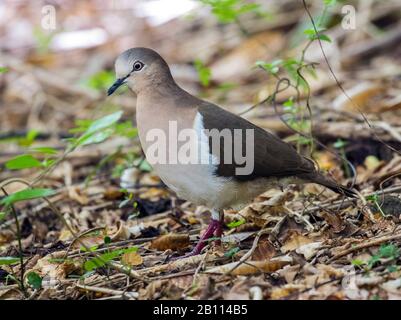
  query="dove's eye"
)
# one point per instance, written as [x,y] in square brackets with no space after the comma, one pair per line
[138,65]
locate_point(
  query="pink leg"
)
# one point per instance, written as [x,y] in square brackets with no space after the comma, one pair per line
[215,226]
[219,230]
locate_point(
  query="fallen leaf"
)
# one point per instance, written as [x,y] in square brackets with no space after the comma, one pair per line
[53,267]
[122,233]
[252,267]
[334,220]
[309,250]
[264,250]
[74,193]
[362,95]
[237,237]
[289,272]
[282,292]
[113,194]
[132,259]
[371,163]
[171,241]
[295,241]
[393,286]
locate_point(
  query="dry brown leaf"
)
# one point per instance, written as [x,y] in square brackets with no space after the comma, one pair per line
[74,193]
[309,250]
[329,271]
[325,160]
[6,236]
[369,97]
[54,270]
[237,237]
[132,259]
[334,220]
[239,291]
[289,272]
[154,194]
[252,267]
[65,235]
[295,241]
[362,95]
[11,294]
[282,292]
[173,241]
[264,250]
[183,282]
[122,233]
[113,194]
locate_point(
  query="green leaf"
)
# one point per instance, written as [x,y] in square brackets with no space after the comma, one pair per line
[339,144]
[98,130]
[373,260]
[2,215]
[358,262]
[235,224]
[204,72]
[145,166]
[104,258]
[273,67]
[126,129]
[324,37]
[48,162]
[3,69]
[312,35]
[22,162]
[289,104]
[90,249]
[232,252]
[107,240]
[329,3]
[96,137]
[372,197]
[104,122]
[101,80]
[9,260]
[34,280]
[29,138]
[44,150]
[229,10]
[389,251]
[26,194]
[81,125]
[392,268]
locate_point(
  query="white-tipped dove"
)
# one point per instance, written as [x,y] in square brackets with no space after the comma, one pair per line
[204,153]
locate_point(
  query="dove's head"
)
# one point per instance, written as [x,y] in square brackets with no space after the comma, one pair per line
[140,69]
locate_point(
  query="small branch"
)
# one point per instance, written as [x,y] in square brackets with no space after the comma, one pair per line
[367,244]
[247,255]
[17,225]
[121,294]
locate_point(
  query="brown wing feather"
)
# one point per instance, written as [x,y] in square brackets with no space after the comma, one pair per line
[272,156]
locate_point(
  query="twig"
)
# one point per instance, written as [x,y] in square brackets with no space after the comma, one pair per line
[247,255]
[367,244]
[334,204]
[175,265]
[127,270]
[123,294]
